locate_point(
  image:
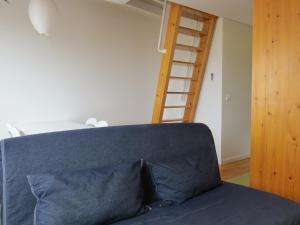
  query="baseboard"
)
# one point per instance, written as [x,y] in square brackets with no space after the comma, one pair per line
[234,158]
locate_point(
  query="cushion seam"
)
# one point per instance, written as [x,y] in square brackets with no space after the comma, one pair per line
[154,182]
[3,183]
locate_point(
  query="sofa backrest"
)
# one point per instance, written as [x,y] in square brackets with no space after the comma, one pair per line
[90,148]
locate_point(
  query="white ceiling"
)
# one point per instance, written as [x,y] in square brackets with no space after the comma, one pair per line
[238,10]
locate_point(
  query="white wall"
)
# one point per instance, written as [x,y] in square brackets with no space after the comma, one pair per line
[237,54]
[209,109]
[100,62]
[230,62]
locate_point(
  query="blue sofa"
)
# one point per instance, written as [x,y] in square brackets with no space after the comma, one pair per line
[227,204]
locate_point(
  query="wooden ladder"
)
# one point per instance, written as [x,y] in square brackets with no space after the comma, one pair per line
[175,28]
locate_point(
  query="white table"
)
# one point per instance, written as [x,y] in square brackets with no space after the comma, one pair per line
[46,127]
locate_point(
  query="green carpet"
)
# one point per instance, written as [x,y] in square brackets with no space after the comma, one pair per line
[241,180]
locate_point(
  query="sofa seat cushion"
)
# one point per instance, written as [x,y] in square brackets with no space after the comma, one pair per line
[227,204]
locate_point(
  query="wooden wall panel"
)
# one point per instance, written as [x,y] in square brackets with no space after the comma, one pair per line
[275,163]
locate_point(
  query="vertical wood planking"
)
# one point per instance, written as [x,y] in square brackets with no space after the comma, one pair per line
[163,82]
[275,164]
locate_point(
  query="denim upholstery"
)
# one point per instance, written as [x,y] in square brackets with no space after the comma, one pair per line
[178,179]
[90,148]
[85,197]
[228,204]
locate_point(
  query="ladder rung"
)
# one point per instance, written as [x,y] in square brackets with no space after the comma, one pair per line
[203,34]
[195,14]
[189,31]
[183,62]
[179,92]
[182,78]
[188,47]
[173,120]
[176,107]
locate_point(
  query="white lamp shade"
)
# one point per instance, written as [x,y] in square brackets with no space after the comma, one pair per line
[42,14]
